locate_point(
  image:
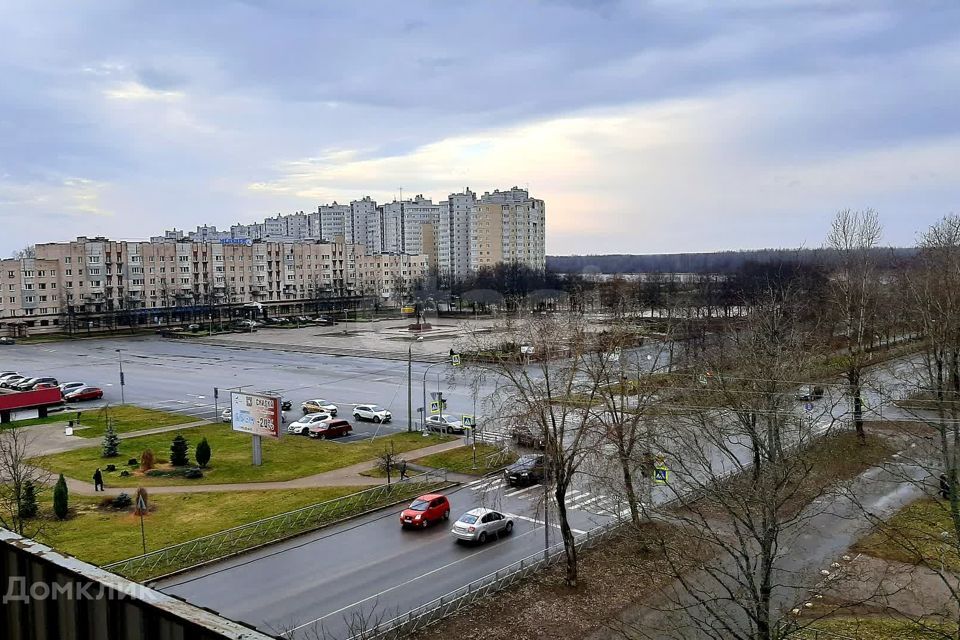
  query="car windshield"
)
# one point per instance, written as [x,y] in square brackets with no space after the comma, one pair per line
[376,408]
[526,460]
[469,518]
[419,505]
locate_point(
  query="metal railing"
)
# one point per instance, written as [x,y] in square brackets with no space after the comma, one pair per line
[452,602]
[228,542]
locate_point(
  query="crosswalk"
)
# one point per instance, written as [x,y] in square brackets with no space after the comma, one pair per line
[576,499]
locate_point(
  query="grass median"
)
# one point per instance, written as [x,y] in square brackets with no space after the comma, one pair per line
[460,460]
[877,627]
[284,459]
[126,418]
[913,536]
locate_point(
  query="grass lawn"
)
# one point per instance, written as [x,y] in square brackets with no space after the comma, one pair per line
[873,628]
[912,536]
[460,460]
[284,459]
[126,418]
[102,535]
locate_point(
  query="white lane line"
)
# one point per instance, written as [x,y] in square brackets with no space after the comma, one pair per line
[520,492]
[487,487]
[410,581]
[475,482]
[493,487]
[588,502]
[540,522]
[570,502]
[571,495]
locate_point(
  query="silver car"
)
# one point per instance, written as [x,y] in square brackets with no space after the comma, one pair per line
[371,412]
[480,524]
[445,424]
[302,426]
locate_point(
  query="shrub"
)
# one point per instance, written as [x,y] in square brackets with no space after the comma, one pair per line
[132,462]
[111,467]
[122,501]
[178,451]
[147,461]
[203,453]
[27,506]
[61,498]
[193,473]
[111,442]
[106,503]
[124,473]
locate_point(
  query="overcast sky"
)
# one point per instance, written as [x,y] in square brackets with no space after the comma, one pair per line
[647,126]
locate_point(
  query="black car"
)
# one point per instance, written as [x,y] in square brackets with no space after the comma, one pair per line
[7,340]
[525,437]
[30,383]
[285,405]
[529,469]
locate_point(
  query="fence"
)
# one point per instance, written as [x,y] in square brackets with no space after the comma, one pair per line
[454,601]
[229,542]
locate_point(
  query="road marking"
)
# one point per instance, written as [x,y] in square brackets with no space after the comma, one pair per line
[403,584]
[514,494]
[493,487]
[487,487]
[540,522]
[475,482]
[586,502]
[572,501]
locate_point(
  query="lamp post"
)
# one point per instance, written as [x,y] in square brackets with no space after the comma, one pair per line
[122,381]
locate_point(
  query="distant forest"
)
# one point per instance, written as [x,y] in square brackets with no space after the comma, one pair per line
[720,262]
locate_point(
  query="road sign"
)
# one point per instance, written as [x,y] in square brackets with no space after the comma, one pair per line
[407,310]
[661,475]
[526,349]
[455,359]
[468,420]
[434,407]
[256,414]
[808,407]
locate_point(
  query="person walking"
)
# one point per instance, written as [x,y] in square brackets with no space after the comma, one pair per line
[97,480]
[403,469]
[944,487]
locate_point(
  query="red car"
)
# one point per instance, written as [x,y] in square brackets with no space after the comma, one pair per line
[330,429]
[433,507]
[84,393]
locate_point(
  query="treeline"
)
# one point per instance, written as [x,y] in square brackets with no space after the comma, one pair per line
[719,262]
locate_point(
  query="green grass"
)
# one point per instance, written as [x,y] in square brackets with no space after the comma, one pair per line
[460,460]
[912,536]
[874,628]
[127,418]
[101,536]
[285,459]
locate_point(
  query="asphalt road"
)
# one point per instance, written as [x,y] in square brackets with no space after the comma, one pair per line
[370,567]
[180,376]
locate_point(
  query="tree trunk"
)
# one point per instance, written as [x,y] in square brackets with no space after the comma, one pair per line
[853,376]
[631,492]
[569,546]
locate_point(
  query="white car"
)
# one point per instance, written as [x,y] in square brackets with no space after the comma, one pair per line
[445,423]
[67,387]
[371,412]
[227,415]
[480,524]
[319,406]
[302,426]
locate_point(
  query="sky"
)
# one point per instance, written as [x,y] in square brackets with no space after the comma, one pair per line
[647,127]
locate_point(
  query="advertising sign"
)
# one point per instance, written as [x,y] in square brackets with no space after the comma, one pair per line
[255,414]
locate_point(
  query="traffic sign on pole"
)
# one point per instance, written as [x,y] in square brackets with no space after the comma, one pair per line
[455,359]
[434,407]
[661,475]
[468,420]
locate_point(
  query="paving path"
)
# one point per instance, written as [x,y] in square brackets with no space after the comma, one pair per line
[46,439]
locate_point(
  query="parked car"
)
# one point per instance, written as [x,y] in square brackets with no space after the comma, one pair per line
[324,321]
[433,507]
[526,437]
[67,387]
[303,319]
[6,374]
[30,383]
[528,469]
[7,340]
[371,412]
[285,405]
[45,385]
[445,423]
[331,428]
[809,393]
[302,426]
[480,524]
[84,393]
[314,406]
[8,381]
[226,415]
[193,327]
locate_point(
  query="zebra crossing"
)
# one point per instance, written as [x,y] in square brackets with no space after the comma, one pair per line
[576,499]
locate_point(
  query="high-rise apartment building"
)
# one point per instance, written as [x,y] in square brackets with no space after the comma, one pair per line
[508,226]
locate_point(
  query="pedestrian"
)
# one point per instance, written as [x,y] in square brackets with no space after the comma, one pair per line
[403,469]
[97,480]
[944,487]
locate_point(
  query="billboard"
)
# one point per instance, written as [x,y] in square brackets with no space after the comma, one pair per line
[255,414]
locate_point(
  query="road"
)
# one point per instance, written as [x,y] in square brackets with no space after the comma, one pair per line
[177,375]
[370,566]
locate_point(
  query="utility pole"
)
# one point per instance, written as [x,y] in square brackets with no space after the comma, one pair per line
[122,381]
[409,388]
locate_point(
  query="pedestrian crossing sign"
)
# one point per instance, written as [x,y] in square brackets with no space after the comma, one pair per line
[434,407]
[468,420]
[661,474]
[455,359]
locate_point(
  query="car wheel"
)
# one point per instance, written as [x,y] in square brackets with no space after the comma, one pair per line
[446,514]
[320,436]
[509,528]
[483,537]
[377,419]
[305,431]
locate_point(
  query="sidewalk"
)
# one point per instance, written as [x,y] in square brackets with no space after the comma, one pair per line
[46,439]
[343,477]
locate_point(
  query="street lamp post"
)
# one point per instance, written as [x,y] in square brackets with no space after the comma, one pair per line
[122,381]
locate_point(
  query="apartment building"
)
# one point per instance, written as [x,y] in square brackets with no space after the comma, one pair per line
[508,226]
[87,281]
[453,235]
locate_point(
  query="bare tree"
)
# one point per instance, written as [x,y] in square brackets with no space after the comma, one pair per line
[536,382]
[854,295]
[16,474]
